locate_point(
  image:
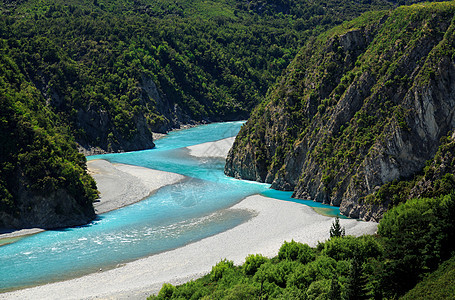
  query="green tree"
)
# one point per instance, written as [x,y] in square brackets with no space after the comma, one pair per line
[336,230]
[355,287]
[296,251]
[252,263]
[419,236]
[166,291]
[220,268]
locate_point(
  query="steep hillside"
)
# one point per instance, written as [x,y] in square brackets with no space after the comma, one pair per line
[43,179]
[103,75]
[118,70]
[361,106]
[438,285]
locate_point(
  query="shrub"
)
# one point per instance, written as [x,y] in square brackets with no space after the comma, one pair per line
[322,268]
[419,235]
[166,291]
[319,290]
[220,268]
[252,263]
[296,251]
[277,274]
[344,248]
[242,291]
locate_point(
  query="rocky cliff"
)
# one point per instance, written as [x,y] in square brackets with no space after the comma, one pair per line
[102,131]
[56,209]
[360,106]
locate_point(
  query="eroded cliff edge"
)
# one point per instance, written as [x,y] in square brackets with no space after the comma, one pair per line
[362,105]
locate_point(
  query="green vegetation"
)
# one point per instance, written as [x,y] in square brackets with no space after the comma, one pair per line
[214,61]
[413,239]
[334,127]
[107,73]
[418,235]
[438,285]
[336,230]
[37,153]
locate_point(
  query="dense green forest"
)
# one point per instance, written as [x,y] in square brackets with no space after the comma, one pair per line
[135,66]
[38,159]
[413,239]
[102,75]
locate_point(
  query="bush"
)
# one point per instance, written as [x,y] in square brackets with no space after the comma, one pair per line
[242,291]
[319,290]
[277,274]
[322,268]
[419,236]
[344,248]
[439,285]
[252,263]
[296,251]
[220,268]
[166,291]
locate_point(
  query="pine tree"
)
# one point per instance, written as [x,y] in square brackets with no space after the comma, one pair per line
[355,287]
[336,230]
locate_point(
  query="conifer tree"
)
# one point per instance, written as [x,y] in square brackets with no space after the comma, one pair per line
[336,230]
[355,287]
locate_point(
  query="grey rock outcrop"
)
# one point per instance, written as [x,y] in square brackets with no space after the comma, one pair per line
[356,109]
[56,210]
[100,134]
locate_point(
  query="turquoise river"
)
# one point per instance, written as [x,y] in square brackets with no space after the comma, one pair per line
[172,217]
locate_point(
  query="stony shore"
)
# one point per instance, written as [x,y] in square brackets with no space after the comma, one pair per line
[273,222]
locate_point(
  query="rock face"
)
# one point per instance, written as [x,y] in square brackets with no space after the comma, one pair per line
[101,133]
[55,210]
[360,106]
[43,179]
[98,126]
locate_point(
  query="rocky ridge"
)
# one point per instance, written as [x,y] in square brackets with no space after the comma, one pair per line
[360,106]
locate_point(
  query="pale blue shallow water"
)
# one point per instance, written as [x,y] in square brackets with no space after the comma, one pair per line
[174,216]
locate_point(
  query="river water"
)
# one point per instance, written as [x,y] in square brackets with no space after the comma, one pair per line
[172,217]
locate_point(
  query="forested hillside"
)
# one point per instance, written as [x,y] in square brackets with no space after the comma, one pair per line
[363,107]
[43,178]
[118,70]
[105,74]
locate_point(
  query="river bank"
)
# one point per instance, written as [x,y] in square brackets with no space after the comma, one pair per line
[275,221]
[121,185]
[217,149]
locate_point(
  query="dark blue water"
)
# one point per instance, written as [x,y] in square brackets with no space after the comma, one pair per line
[174,216]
